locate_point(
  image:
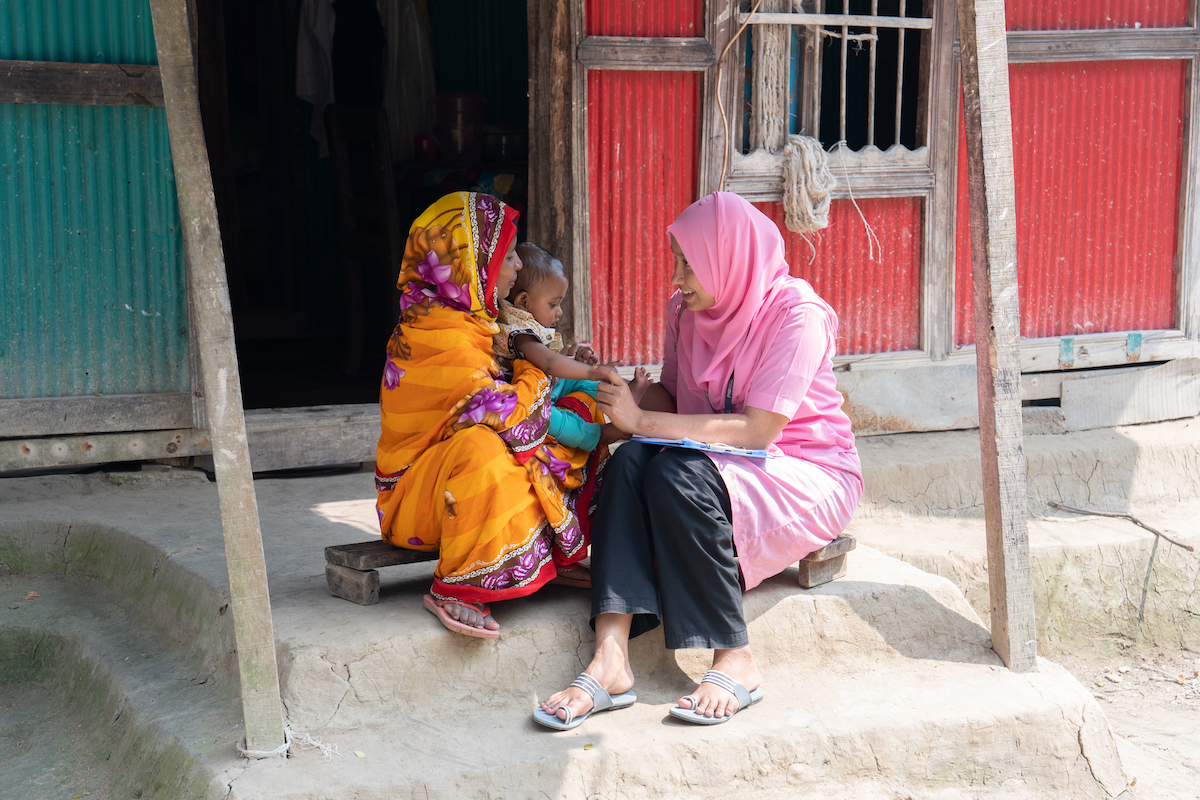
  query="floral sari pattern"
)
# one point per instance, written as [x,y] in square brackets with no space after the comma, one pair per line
[464,465]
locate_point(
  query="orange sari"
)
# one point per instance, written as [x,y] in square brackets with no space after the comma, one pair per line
[464,465]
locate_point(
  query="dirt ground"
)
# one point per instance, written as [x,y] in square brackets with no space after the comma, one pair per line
[1152,699]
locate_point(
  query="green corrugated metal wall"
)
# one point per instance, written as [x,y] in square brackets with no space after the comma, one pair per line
[92,280]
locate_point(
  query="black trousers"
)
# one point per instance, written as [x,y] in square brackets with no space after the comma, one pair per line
[662,548]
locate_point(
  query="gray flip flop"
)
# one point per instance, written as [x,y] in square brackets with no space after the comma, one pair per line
[601,701]
[745,699]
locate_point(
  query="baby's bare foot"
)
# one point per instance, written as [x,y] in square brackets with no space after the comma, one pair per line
[639,384]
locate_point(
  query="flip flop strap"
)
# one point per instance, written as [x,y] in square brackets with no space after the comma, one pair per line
[727,683]
[600,698]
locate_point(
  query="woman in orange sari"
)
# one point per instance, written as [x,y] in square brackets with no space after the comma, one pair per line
[463,464]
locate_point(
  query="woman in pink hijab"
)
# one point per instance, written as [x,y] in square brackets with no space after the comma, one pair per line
[679,534]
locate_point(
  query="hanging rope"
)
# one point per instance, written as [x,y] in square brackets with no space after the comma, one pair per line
[721,103]
[807,186]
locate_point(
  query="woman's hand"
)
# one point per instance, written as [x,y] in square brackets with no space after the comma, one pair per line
[616,401]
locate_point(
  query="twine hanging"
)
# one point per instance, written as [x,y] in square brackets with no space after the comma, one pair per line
[807,185]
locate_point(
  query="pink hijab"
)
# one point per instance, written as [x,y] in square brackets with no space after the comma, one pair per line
[736,252]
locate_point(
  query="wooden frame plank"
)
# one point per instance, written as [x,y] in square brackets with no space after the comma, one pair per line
[719,88]
[938,252]
[763,182]
[1187,264]
[64,83]
[661,53]
[249,598]
[994,271]
[56,416]
[842,20]
[1102,45]
[581,280]
[104,448]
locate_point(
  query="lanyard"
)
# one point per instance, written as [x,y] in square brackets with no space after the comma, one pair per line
[728,396]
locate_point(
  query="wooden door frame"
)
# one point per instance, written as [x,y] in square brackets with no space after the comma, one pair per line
[560,56]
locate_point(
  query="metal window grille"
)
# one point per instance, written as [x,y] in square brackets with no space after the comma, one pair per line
[857,71]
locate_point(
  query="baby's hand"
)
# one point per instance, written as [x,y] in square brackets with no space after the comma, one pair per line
[582,352]
[610,433]
[639,384]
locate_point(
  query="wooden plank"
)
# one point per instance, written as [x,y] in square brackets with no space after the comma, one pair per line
[816,573]
[849,20]
[581,265]
[994,272]
[104,448]
[551,212]
[1048,385]
[375,554]
[835,549]
[720,141]
[771,86]
[1102,45]
[312,437]
[1188,260]
[941,121]
[249,599]
[759,175]
[1170,391]
[811,65]
[647,53]
[353,585]
[63,83]
[55,416]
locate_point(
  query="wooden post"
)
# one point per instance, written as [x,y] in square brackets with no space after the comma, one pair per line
[222,383]
[984,53]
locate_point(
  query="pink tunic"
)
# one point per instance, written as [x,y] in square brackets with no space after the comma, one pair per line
[784,508]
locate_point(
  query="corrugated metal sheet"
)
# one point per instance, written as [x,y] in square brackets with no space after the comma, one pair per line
[91,258]
[877,301]
[1097,156]
[643,148]
[1049,15]
[84,31]
[644,17]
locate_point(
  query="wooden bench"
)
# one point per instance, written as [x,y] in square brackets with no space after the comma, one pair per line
[352,570]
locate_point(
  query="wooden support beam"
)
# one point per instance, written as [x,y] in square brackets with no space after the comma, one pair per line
[984,57]
[209,289]
[553,216]
[657,53]
[80,84]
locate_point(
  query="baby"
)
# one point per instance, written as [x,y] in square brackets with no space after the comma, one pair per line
[527,320]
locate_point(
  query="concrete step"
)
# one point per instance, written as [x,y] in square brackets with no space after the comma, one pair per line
[884,678]
[101,705]
[877,684]
[1133,468]
[1088,572]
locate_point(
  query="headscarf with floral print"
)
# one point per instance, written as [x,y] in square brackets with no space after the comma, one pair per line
[453,254]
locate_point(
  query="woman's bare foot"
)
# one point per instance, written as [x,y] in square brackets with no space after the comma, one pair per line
[712,700]
[470,615]
[610,666]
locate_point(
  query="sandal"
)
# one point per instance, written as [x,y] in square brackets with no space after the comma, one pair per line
[601,701]
[436,607]
[744,697]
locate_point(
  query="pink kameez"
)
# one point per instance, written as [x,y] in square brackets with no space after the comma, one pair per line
[785,507]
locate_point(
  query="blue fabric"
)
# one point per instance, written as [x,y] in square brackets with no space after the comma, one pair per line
[566,427]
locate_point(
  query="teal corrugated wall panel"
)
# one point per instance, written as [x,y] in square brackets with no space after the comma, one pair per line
[92,277]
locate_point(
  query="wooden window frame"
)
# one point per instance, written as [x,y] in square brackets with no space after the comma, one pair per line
[758,177]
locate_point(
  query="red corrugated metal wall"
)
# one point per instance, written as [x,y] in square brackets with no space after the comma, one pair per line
[877,302]
[643,151]
[1097,151]
[1050,15]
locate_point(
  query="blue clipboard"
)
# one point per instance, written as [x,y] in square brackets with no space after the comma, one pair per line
[689,444]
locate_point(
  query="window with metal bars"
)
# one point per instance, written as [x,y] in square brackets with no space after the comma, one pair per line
[856,70]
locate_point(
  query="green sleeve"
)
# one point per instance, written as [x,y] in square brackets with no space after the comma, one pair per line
[570,430]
